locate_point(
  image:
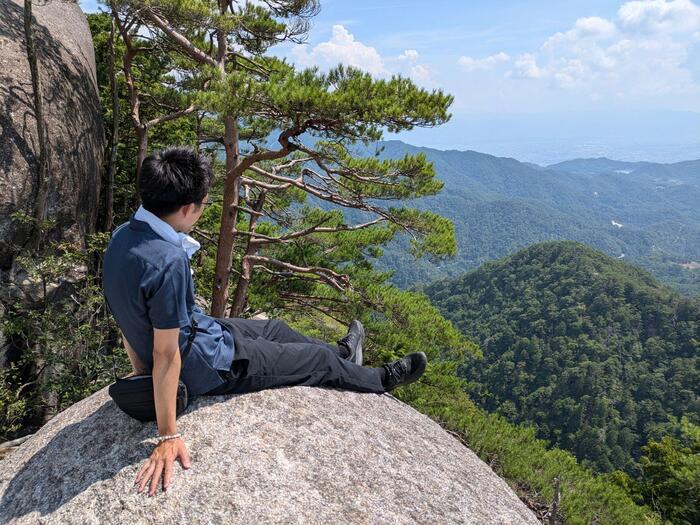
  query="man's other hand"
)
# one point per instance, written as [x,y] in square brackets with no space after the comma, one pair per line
[161,464]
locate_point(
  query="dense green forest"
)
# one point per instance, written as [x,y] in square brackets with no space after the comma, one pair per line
[593,352]
[642,212]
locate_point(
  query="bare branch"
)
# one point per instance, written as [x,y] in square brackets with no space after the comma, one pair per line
[249,212]
[170,116]
[290,164]
[183,42]
[306,304]
[319,159]
[265,185]
[202,233]
[219,140]
[341,299]
[261,239]
[340,282]
[290,275]
[330,197]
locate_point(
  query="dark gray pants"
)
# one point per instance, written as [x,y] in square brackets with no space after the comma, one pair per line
[268,354]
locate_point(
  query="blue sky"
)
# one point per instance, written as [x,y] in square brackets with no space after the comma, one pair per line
[554,75]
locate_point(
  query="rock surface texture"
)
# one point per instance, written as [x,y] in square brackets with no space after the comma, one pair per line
[66,61]
[292,455]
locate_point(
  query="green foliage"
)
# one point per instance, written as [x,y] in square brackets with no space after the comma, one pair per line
[438,240]
[164,84]
[670,480]
[63,340]
[593,352]
[22,218]
[500,205]
[525,461]
[13,405]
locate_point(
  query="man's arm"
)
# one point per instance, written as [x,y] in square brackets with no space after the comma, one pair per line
[138,368]
[166,374]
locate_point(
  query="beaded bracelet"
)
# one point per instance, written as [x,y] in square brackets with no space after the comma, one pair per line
[165,438]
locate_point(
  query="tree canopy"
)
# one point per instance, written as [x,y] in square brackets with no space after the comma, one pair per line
[593,352]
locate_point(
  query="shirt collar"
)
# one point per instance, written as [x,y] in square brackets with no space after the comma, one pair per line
[167,232]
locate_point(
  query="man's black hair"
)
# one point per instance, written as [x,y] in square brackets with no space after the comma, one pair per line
[173,177]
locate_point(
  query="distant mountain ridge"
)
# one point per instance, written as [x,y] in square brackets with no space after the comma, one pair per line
[687,171]
[596,166]
[594,352]
[644,212]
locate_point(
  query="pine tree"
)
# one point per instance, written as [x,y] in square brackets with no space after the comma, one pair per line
[316,120]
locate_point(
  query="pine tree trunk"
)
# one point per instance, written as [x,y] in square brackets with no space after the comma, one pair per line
[227,233]
[111,170]
[240,296]
[40,210]
[141,151]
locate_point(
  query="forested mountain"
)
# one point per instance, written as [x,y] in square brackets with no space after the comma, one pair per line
[592,351]
[596,166]
[642,212]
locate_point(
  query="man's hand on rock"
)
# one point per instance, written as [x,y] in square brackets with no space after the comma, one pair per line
[161,464]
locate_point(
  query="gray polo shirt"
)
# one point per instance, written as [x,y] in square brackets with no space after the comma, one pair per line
[147,282]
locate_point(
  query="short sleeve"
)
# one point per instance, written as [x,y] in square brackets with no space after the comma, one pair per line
[166,299]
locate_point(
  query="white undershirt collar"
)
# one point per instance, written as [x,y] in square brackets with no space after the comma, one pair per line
[167,232]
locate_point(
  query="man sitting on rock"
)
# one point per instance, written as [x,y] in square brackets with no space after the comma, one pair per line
[149,289]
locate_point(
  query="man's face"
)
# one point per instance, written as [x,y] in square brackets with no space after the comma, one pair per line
[190,214]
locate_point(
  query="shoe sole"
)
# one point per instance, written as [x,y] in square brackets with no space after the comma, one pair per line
[358,354]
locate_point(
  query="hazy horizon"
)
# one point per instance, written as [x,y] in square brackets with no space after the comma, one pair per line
[530,138]
[538,81]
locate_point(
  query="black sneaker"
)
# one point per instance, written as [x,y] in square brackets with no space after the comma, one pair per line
[353,342]
[404,371]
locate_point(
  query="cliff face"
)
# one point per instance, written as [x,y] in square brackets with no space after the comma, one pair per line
[73,117]
[291,455]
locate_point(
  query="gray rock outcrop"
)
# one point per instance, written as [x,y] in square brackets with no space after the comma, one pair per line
[74,121]
[293,455]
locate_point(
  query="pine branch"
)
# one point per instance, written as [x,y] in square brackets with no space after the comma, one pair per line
[260,184]
[342,299]
[170,116]
[340,282]
[249,211]
[183,42]
[265,239]
[331,197]
[314,307]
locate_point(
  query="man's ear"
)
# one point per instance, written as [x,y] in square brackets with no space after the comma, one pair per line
[187,209]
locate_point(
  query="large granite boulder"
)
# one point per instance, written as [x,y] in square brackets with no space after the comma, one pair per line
[74,120]
[292,455]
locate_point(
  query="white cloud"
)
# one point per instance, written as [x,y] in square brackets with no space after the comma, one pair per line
[526,67]
[660,16]
[591,28]
[421,75]
[594,26]
[640,54]
[342,48]
[489,62]
[410,54]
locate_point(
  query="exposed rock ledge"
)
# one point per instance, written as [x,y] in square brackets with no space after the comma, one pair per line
[292,455]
